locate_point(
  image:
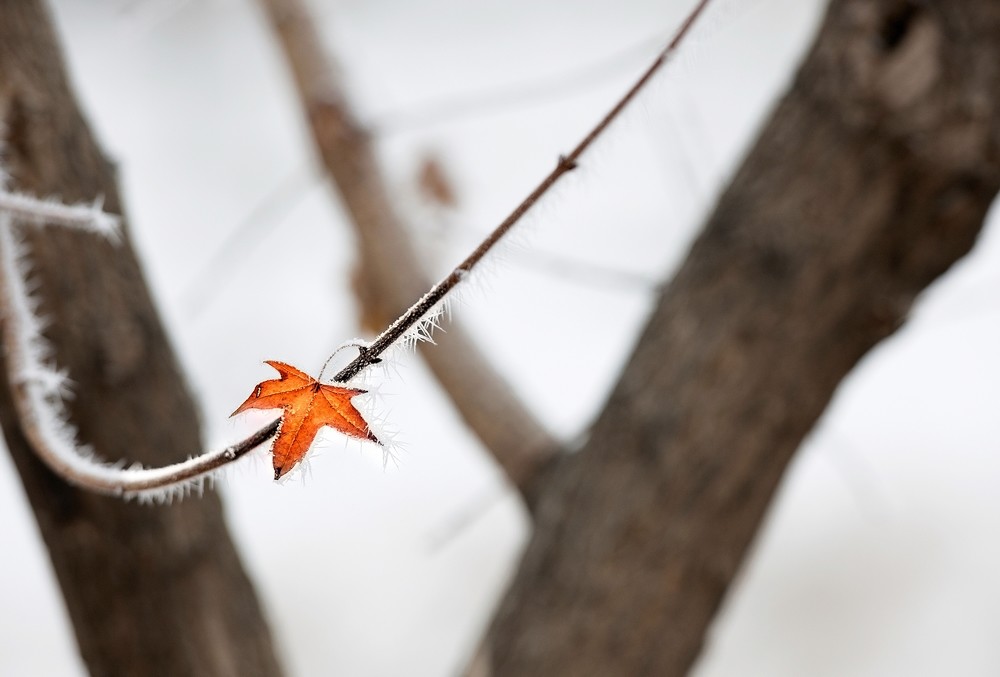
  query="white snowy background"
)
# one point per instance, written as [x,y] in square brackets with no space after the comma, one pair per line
[881,553]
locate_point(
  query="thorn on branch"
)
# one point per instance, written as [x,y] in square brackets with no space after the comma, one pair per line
[567,164]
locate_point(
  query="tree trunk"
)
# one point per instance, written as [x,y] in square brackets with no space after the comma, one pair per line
[871,178]
[150,590]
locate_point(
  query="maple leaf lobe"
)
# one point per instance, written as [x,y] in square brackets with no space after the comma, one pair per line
[307,405]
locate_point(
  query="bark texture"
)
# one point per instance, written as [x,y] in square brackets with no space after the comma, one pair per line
[870,179]
[150,590]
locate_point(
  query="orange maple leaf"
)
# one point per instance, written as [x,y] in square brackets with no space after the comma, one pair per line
[308,406]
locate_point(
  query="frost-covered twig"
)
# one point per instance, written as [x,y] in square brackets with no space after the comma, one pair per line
[39,387]
[90,217]
[423,308]
[391,273]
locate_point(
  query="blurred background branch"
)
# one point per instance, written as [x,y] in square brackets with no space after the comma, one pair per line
[389,276]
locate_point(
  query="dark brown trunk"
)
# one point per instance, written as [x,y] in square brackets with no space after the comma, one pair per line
[150,590]
[871,178]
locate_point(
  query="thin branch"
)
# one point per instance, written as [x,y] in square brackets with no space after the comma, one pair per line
[287,193]
[90,217]
[390,272]
[37,385]
[145,590]
[39,388]
[566,164]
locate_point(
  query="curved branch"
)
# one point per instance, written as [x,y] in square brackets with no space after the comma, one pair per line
[297,32]
[39,404]
[522,449]
[146,590]
[389,265]
[566,164]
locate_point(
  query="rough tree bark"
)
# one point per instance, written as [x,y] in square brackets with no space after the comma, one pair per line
[150,590]
[872,176]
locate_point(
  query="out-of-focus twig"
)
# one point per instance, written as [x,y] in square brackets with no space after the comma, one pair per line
[389,274]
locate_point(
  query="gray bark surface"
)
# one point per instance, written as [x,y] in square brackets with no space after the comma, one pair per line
[150,590]
[872,176]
